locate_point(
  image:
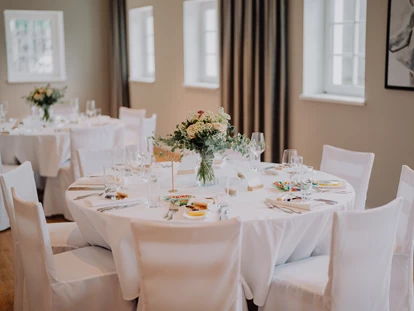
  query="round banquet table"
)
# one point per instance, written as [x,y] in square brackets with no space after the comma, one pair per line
[46,148]
[270,237]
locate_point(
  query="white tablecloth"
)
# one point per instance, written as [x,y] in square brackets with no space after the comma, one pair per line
[270,237]
[47,149]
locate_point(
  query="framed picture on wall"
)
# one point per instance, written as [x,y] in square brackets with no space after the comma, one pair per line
[399,69]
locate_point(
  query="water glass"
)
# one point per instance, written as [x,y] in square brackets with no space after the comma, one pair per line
[110,181]
[222,193]
[74,105]
[120,162]
[288,166]
[98,113]
[151,174]
[233,185]
[306,182]
[90,108]
[4,106]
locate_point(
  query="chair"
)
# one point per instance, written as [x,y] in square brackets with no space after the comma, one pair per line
[132,119]
[148,128]
[4,219]
[63,236]
[354,167]
[355,277]
[88,138]
[188,266]
[401,293]
[92,161]
[82,279]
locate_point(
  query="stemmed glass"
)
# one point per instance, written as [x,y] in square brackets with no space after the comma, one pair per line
[289,165]
[90,108]
[4,106]
[257,146]
[151,174]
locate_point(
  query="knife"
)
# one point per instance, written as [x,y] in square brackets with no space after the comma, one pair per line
[116,207]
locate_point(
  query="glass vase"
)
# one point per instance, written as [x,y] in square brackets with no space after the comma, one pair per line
[47,114]
[205,172]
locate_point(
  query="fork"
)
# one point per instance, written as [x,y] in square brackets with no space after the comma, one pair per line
[175,210]
[169,211]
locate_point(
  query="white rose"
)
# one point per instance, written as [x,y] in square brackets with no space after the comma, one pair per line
[49,92]
[220,127]
[191,131]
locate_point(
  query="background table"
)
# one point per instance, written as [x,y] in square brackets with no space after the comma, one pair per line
[270,237]
[47,149]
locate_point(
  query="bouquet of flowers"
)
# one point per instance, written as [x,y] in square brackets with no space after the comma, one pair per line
[206,133]
[45,97]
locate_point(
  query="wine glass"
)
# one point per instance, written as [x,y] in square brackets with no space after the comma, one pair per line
[257,146]
[4,107]
[90,108]
[151,174]
[74,105]
[288,166]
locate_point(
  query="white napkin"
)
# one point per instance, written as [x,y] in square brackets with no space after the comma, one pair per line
[308,205]
[91,181]
[101,201]
[342,185]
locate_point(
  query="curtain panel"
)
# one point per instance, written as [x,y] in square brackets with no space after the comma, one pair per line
[119,88]
[253,61]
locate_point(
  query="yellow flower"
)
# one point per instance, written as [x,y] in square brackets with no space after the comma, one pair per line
[40,91]
[49,92]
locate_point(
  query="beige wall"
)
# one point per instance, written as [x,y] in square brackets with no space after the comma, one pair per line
[86,46]
[167,97]
[384,126]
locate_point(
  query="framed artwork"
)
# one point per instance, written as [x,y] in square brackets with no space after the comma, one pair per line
[399,69]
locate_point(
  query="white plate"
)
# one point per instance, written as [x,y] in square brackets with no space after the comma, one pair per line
[195,217]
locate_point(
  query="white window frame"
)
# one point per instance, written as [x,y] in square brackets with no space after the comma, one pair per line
[138,44]
[330,87]
[58,43]
[194,45]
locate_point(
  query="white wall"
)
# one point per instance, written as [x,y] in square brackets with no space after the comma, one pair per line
[384,126]
[167,96]
[86,25]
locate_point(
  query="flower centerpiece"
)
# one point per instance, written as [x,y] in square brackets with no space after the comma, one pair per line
[206,133]
[45,97]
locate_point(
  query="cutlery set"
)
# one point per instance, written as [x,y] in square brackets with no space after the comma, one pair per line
[171,212]
[281,208]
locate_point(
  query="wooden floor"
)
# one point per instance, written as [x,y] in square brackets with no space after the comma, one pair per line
[6,266]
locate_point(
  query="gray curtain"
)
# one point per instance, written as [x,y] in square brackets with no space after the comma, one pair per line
[253,61]
[119,89]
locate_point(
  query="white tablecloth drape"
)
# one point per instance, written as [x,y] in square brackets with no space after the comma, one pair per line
[47,150]
[270,237]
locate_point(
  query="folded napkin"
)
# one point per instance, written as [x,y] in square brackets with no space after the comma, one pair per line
[307,205]
[330,184]
[90,181]
[101,201]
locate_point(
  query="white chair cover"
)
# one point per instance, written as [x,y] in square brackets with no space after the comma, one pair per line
[87,138]
[401,292]
[84,279]
[64,236]
[148,128]
[4,219]
[354,167]
[92,161]
[132,119]
[201,272]
[356,276]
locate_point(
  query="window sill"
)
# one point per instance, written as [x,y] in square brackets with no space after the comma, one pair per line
[142,80]
[202,85]
[335,99]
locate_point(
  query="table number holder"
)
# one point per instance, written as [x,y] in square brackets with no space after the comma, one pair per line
[172,190]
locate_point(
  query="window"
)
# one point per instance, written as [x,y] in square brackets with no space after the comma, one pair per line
[209,50]
[141,44]
[35,46]
[201,44]
[345,55]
